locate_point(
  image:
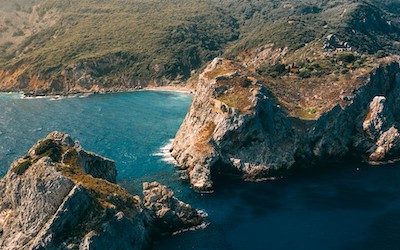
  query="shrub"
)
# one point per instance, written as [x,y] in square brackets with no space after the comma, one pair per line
[305,73]
[22,167]
[18,33]
[274,71]
[381,54]
[344,71]
[49,148]
[347,57]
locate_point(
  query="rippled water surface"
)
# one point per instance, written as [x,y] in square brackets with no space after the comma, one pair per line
[349,206]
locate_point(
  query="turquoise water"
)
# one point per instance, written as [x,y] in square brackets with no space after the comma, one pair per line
[129,128]
[351,206]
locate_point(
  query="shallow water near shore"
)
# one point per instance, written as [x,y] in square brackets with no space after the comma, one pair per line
[352,206]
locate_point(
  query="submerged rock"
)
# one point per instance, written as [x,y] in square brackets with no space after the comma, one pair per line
[236,127]
[59,196]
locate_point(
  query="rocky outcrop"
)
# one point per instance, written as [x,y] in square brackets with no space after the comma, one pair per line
[380,126]
[59,196]
[235,126]
[167,212]
[264,55]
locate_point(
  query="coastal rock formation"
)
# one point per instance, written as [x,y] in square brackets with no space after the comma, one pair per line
[381,127]
[59,196]
[167,212]
[236,126]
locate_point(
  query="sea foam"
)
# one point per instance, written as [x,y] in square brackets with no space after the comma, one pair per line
[165,153]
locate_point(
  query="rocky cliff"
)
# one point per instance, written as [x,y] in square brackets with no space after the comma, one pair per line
[236,126]
[59,196]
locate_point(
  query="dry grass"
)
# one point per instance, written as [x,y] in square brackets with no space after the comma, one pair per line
[238,95]
[204,136]
[310,97]
[107,193]
[225,68]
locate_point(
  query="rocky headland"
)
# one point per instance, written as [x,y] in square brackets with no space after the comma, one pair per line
[59,196]
[237,126]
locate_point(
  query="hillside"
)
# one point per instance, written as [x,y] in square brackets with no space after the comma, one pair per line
[52,46]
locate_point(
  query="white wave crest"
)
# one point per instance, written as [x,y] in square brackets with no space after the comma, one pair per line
[165,153]
[198,227]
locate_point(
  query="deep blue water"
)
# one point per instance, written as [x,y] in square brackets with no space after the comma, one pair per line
[349,206]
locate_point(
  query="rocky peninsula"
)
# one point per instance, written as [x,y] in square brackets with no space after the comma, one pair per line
[59,196]
[237,126]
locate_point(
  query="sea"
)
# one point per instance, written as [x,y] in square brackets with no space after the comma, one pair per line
[344,206]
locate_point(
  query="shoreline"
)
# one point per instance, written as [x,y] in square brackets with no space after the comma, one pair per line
[29,95]
[178,89]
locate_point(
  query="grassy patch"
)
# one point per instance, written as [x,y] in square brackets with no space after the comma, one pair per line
[226,67]
[107,193]
[204,136]
[238,95]
[50,149]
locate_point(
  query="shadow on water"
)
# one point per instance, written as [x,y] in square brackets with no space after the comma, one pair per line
[337,204]
[344,196]
[383,233]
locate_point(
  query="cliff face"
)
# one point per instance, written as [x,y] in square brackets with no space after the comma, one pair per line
[95,75]
[236,126]
[60,196]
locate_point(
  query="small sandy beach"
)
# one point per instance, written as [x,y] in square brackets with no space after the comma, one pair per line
[180,89]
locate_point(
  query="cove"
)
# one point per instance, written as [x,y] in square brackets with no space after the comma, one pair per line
[349,206]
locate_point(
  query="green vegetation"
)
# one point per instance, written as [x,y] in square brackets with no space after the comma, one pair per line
[129,36]
[50,149]
[18,33]
[237,94]
[274,70]
[46,148]
[21,167]
[151,39]
[347,57]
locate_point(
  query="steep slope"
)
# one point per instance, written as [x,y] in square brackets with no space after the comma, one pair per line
[20,19]
[119,45]
[237,126]
[58,196]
